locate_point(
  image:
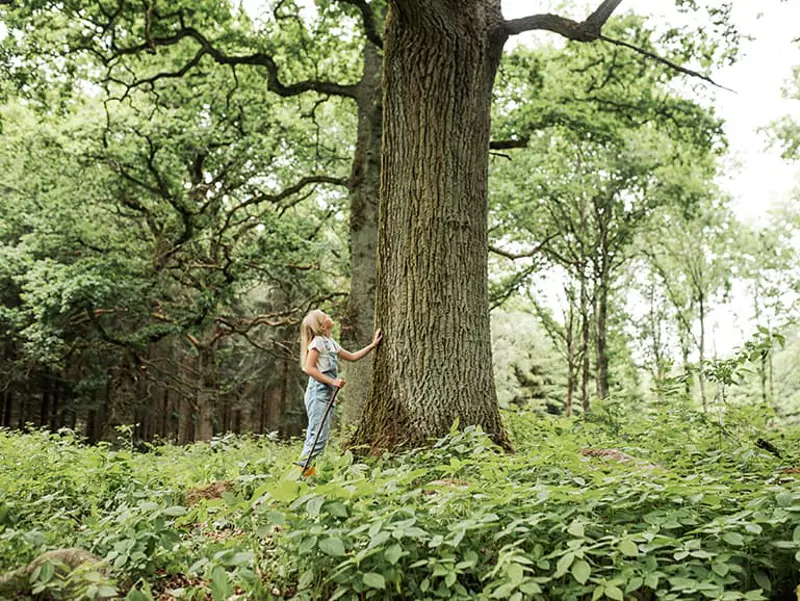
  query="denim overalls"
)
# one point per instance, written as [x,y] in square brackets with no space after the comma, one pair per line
[318,395]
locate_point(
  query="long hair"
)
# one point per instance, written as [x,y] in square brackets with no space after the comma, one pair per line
[311,326]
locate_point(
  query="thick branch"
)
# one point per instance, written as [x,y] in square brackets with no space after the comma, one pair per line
[508,144]
[589,31]
[570,29]
[258,59]
[599,17]
[586,31]
[370,22]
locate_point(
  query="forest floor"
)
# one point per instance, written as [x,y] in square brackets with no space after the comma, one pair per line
[659,504]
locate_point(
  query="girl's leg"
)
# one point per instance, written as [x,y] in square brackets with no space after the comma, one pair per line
[315,408]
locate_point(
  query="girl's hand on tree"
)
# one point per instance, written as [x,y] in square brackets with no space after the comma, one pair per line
[338,383]
[376,339]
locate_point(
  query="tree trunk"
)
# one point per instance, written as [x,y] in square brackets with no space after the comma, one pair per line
[585,331]
[702,351]
[205,397]
[569,340]
[770,379]
[9,406]
[55,409]
[603,212]
[432,289]
[358,322]
[44,413]
[601,351]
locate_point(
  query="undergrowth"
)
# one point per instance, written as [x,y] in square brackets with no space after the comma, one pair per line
[685,507]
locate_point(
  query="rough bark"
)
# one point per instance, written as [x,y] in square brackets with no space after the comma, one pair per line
[434,365]
[358,322]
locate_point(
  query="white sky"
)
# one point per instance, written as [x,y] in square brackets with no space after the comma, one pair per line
[757,78]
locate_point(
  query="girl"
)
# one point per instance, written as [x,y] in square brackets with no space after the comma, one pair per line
[319,358]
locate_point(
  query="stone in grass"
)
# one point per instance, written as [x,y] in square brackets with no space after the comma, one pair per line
[18,583]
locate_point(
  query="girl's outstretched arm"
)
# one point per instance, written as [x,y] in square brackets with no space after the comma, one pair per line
[348,356]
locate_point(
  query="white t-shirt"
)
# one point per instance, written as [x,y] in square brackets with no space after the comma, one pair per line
[328,350]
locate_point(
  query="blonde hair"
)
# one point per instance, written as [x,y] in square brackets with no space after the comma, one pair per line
[311,326]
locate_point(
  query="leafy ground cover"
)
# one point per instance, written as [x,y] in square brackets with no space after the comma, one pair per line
[662,504]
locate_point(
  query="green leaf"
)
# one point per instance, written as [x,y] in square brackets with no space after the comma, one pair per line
[136,595]
[239,560]
[46,573]
[720,568]
[314,506]
[733,538]
[105,591]
[634,584]
[762,580]
[332,546]
[576,529]
[174,511]
[221,587]
[515,573]
[374,580]
[796,534]
[337,509]
[629,548]
[563,564]
[613,592]
[393,554]
[581,571]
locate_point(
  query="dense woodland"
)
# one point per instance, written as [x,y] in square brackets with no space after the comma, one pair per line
[179,188]
[537,224]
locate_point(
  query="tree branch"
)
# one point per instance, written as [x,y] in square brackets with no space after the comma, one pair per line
[589,31]
[585,31]
[508,144]
[370,22]
[287,192]
[258,59]
[599,17]
[664,61]
[525,255]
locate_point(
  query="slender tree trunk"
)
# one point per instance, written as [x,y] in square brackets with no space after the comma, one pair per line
[44,413]
[762,372]
[9,407]
[571,358]
[262,413]
[770,378]
[702,351]
[23,406]
[55,409]
[603,212]
[358,322]
[585,334]
[432,291]
[206,369]
[601,352]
